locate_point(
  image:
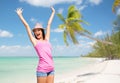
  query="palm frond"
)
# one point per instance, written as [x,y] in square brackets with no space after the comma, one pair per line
[72,20]
[76,27]
[75,14]
[72,35]
[71,8]
[61,17]
[61,26]
[82,21]
[86,31]
[65,37]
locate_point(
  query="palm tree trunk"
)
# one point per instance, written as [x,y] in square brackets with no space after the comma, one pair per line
[102,41]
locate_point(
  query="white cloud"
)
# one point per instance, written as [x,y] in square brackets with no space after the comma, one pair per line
[78,2]
[72,50]
[92,43]
[33,20]
[84,4]
[95,2]
[46,3]
[60,10]
[99,33]
[57,30]
[4,33]
[82,7]
[16,50]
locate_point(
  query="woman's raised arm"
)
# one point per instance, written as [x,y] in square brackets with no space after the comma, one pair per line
[49,24]
[19,13]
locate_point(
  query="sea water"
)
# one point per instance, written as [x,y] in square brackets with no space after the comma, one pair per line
[15,69]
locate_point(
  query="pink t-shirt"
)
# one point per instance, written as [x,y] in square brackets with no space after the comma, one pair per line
[44,51]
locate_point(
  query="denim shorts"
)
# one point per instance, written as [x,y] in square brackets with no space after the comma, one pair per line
[44,74]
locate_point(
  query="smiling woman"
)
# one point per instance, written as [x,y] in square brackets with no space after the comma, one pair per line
[39,31]
[45,68]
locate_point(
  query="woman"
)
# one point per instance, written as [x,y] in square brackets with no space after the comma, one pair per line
[40,41]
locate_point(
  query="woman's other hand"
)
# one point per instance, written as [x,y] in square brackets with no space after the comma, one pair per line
[53,10]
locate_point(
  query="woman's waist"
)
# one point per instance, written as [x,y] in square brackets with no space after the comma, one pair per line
[43,67]
[45,63]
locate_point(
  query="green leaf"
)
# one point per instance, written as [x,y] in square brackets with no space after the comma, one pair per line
[73,12]
[61,17]
[76,27]
[72,35]
[87,32]
[62,26]
[71,8]
[65,37]
[72,20]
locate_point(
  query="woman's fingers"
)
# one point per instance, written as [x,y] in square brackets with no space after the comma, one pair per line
[53,9]
[19,10]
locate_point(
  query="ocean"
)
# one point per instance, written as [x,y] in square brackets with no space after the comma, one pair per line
[15,69]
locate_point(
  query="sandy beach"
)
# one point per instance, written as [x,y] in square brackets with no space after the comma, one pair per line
[100,72]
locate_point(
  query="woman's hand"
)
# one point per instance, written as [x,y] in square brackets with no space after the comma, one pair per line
[53,10]
[19,11]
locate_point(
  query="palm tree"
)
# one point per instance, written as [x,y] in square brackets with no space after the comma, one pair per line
[115,5]
[71,26]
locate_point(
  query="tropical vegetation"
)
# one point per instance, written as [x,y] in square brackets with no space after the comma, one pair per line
[71,25]
[102,48]
[108,51]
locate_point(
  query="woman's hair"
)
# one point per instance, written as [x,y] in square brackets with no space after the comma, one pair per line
[43,34]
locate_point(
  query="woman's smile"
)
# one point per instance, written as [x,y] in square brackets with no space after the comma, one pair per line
[38,34]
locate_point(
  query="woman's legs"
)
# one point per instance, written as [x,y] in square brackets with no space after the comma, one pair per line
[41,79]
[50,79]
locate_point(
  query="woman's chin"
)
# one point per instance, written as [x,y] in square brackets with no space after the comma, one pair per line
[38,38]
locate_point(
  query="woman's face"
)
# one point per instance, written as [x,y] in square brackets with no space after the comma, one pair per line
[38,33]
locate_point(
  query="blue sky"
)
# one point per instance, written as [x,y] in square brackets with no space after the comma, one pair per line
[13,37]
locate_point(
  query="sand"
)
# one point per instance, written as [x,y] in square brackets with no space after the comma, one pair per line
[101,72]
